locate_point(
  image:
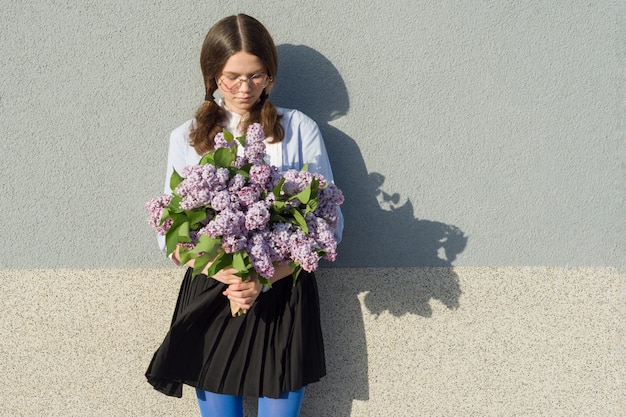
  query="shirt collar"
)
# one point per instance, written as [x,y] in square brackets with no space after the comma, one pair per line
[233,120]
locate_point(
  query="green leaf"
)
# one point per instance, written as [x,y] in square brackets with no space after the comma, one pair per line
[242,140]
[228,136]
[174,205]
[164,216]
[305,168]
[304,196]
[315,187]
[312,205]
[208,158]
[175,179]
[278,218]
[199,265]
[177,219]
[183,232]
[208,245]
[264,281]
[171,240]
[223,260]
[279,187]
[196,216]
[278,206]
[239,261]
[300,220]
[185,255]
[244,170]
[223,157]
[172,237]
[296,271]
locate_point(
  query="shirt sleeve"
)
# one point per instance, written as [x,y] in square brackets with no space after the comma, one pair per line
[177,159]
[314,153]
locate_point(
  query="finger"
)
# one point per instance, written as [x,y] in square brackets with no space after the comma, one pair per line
[241,302]
[240,286]
[243,297]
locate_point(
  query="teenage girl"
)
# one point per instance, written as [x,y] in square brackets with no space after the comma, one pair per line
[275,350]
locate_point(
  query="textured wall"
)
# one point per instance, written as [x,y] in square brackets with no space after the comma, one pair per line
[482,138]
[480,133]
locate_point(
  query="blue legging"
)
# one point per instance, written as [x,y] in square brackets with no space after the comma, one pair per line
[222,405]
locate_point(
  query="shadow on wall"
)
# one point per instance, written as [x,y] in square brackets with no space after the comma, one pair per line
[380,231]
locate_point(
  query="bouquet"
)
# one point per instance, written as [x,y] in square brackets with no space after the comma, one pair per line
[235,210]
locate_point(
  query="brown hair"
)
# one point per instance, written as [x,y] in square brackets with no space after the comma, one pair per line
[240,33]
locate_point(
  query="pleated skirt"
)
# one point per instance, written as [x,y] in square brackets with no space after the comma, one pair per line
[277,346]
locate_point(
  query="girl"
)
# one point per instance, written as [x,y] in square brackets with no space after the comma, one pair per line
[276,349]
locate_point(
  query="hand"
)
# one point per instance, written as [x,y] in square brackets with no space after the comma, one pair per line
[244,293]
[225,276]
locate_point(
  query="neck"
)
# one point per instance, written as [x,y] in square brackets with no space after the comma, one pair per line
[242,114]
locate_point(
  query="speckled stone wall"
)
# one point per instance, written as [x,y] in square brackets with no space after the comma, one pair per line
[481,149]
[493,131]
[400,341]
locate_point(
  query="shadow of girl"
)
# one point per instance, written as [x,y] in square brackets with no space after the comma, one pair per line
[379,232]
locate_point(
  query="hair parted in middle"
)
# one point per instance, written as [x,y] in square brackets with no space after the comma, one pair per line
[239,33]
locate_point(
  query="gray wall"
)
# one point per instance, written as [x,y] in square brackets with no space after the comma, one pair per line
[481,148]
[496,128]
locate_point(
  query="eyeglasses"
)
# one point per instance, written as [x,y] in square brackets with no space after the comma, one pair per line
[233,84]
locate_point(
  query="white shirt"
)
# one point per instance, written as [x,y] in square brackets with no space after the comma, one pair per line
[302,144]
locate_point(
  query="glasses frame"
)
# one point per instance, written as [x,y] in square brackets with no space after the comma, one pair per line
[238,82]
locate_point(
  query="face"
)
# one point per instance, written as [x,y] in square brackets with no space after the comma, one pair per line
[241,65]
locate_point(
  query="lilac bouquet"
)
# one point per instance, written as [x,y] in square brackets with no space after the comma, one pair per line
[237,211]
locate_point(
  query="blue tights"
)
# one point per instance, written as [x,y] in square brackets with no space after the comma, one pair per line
[222,405]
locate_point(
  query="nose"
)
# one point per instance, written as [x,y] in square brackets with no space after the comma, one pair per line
[245,84]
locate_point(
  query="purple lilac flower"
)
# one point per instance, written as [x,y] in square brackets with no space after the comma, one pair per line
[221,200]
[257,216]
[275,177]
[222,176]
[154,207]
[260,174]
[236,183]
[259,252]
[254,151]
[303,251]
[240,161]
[235,203]
[323,234]
[221,142]
[270,200]
[255,134]
[225,223]
[295,181]
[331,194]
[249,194]
[232,244]
[280,242]
[200,182]
[329,199]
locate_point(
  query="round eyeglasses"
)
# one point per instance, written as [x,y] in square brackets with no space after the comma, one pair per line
[232,84]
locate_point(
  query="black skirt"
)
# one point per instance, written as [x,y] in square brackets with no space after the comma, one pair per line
[277,346]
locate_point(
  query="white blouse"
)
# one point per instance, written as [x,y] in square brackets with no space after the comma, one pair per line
[302,144]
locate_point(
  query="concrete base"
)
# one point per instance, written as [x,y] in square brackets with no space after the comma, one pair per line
[400,342]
